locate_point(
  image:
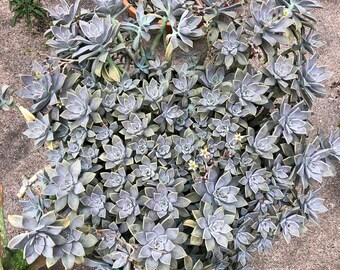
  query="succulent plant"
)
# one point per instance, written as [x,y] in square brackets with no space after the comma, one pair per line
[185,32]
[191,160]
[219,191]
[135,126]
[160,244]
[299,9]
[250,90]
[312,205]
[262,144]
[108,6]
[71,250]
[141,148]
[222,127]
[231,46]
[269,23]
[80,107]
[154,92]
[116,180]
[146,171]
[255,180]
[282,71]
[185,146]
[64,13]
[211,100]
[95,200]
[34,206]
[39,130]
[108,237]
[126,206]
[332,142]
[212,227]
[162,149]
[127,104]
[309,83]
[291,225]
[41,236]
[5,102]
[184,84]
[116,153]
[292,121]
[66,183]
[164,201]
[310,165]
[42,86]
[64,41]
[142,26]
[95,41]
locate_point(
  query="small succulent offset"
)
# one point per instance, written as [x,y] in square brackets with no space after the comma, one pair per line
[160,166]
[5,102]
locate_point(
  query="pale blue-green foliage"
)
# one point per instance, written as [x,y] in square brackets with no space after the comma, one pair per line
[5,101]
[191,166]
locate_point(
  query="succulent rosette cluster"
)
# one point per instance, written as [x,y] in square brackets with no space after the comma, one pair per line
[160,165]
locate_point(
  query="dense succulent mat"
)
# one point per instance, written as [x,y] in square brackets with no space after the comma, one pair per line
[161,166]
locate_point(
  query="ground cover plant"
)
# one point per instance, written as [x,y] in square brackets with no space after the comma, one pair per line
[156,165]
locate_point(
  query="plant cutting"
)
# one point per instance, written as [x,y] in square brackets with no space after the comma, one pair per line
[159,164]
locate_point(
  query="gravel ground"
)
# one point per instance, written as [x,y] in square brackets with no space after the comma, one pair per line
[319,248]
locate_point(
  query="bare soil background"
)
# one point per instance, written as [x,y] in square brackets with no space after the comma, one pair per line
[318,249]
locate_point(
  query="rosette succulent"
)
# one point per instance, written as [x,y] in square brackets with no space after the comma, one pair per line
[309,83]
[116,180]
[64,41]
[126,207]
[218,190]
[71,249]
[255,180]
[250,90]
[41,236]
[310,164]
[269,22]
[282,71]
[39,130]
[160,244]
[66,183]
[98,34]
[212,227]
[116,153]
[231,46]
[64,13]
[95,202]
[164,201]
[42,87]
[80,107]
[262,144]
[292,121]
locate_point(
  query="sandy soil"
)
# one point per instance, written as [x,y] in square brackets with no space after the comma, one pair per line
[319,248]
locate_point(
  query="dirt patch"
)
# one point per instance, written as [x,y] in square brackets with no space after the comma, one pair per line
[319,248]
